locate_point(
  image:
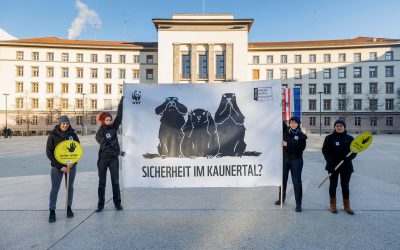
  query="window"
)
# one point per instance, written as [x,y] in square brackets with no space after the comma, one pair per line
[256,59]
[327,104]
[297,73]
[373,104]
[49,103]
[312,74]
[283,73]
[327,73]
[35,56]
[327,121]
[50,72]
[389,56]
[342,88]
[64,57]
[35,87]
[64,103]
[220,67]
[256,74]
[312,58]
[19,102]
[49,87]
[107,104]
[374,121]
[342,104]
[122,58]
[149,59]
[20,55]
[389,87]
[373,88]
[357,104]
[357,57]
[342,73]
[357,88]
[312,121]
[357,121]
[93,58]
[270,59]
[93,104]
[18,120]
[149,74]
[107,89]
[93,88]
[93,120]
[270,74]
[136,59]
[78,103]
[203,67]
[342,57]
[389,104]
[283,58]
[64,72]
[79,88]
[20,70]
[389,121]
[79,72]
[327,88]
[120,89]
[185,67]
[297,58]
[372,56]
[122,73]
[34,103]
[312,104]
[135,74]
[35,71]
[64,88]
[327,57]
[107,73]
[389,71]
[373,71]
[50,56]
[34,120]
[108,58]
[19,87]
[357,72]
[79,120]
[79,57]
[93,73]
[312,89]
[49,120]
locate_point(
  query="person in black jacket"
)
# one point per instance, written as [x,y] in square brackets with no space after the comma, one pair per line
[294,143]
[61,132]
[109,151]
[336,147]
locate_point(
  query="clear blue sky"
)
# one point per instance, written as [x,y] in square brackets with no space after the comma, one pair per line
[280,20]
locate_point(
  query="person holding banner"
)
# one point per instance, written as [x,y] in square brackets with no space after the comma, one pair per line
[61,132]
[109,151]
[335,148]
[294,143]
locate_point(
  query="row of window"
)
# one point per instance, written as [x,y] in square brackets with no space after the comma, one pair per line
[312,58]
[345,104]
[203,69]
[373,121]
[64,104]
[342,88]
[65,72]
[79,57]
[326,73]
[50,120]
[65,88]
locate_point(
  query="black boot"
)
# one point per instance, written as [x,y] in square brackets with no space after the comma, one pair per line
[278,202]
[99,208]
[298,208]
[52,216]
[119,207]
[70,214]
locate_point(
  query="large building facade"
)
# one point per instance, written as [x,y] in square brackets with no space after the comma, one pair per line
[355,79]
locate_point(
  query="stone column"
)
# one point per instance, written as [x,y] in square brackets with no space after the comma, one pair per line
[193,63]
[229,62]
[177,65]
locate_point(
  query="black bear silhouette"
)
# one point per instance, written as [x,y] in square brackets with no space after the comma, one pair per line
[172,119]
[200,136]
[231,131]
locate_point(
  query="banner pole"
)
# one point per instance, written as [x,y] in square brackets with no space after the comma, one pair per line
[66,195]
[122,143]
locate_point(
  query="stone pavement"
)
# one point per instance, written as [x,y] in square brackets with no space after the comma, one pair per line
[199,218]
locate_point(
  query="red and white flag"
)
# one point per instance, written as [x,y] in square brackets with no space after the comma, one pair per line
[286,103]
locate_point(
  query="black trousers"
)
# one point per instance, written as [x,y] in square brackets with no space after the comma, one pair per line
[344,182]
[102,166]
[295,167]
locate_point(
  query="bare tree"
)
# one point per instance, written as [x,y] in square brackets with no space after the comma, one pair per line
[373,106]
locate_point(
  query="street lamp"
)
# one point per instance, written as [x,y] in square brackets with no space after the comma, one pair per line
[83,115]
[320,119]
[6,95]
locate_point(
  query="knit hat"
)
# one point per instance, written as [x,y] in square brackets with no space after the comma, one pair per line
[340,121]
[102,116]
[296,119]
[63,118]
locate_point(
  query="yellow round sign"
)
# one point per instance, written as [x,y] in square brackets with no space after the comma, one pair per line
[361,142]
[68,152]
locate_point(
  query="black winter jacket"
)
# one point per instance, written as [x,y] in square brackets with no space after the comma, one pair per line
[296,144]
[55,137]
[336,147]
[107,136]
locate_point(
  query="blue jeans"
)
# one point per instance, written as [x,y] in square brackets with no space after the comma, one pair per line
[56,178]
[295,167]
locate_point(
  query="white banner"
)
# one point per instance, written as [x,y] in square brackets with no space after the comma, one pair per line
[202,135]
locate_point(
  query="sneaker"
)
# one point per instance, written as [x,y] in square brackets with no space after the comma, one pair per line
[70,214]
[298,208]
[99,209]
[52,216]
[119,207]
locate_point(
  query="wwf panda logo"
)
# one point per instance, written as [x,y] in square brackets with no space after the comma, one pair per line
[136,95]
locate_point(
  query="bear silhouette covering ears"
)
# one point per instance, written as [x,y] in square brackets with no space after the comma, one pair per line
[200,136]
[231,131]
[172,119]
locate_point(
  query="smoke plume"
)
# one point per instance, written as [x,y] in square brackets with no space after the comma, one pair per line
[85,17]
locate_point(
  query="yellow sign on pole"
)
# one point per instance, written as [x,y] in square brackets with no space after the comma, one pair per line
[361,142]
[68,152]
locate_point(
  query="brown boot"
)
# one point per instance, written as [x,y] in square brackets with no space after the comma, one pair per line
[332,202]
[347,209]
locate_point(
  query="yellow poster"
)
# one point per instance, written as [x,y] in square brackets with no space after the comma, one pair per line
[68,152]
[361,142]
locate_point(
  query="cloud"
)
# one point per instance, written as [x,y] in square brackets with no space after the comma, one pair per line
[85,17]
[5,36]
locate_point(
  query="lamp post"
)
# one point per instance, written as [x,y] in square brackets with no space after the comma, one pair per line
[83,115]
[6,95]
[320,119]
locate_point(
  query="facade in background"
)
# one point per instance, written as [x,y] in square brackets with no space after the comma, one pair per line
[355,79]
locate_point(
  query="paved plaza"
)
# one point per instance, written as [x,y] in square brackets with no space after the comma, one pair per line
[199,218]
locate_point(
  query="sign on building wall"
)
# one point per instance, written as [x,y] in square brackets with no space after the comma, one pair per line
[202,135]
